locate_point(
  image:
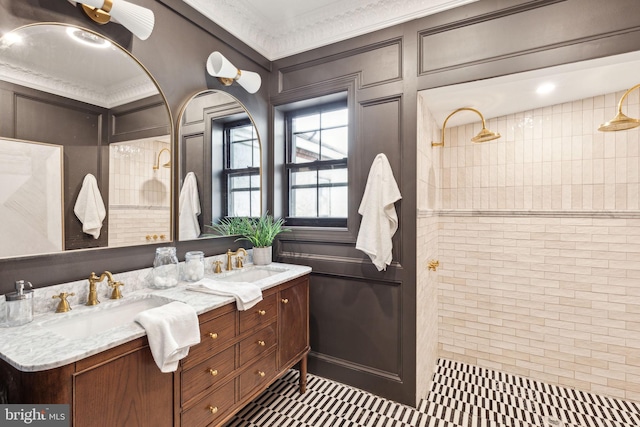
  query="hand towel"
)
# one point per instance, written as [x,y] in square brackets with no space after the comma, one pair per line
[171,330]
[379,218]
[189,208]
[89,207]
[246,294]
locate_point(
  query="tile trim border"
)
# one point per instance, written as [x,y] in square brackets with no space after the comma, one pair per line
[624,214]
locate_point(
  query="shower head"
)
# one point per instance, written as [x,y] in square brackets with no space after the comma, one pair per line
[166,165]
[621,121]
[483,136]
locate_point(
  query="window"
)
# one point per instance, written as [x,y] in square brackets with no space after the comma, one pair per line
[316,165]
[241,169]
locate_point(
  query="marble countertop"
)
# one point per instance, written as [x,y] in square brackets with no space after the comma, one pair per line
[37,347]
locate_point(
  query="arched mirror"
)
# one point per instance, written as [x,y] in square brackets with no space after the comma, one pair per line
[82,126]
[220,163]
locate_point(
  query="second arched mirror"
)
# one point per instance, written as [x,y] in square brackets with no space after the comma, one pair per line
[220,163]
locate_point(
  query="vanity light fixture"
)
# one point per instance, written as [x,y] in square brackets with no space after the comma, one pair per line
[621,121]
[166,165]
[137,19]
[483,136]
[220,67]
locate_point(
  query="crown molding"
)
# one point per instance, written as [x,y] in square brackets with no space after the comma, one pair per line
[337,21]
[123,93]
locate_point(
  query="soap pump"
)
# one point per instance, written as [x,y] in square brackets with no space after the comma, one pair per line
[19,305]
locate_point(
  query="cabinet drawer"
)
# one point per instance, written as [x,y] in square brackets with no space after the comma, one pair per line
[215,335]
[260,373]
[257,344]
[206,374]
[210,408]
[262,313]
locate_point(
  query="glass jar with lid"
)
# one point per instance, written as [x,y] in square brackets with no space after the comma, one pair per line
[193,269]
[166,273]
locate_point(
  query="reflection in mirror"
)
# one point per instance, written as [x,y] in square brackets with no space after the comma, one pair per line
[68,87]
[220,155]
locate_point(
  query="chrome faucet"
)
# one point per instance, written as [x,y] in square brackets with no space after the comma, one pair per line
[231,254]
[92,298]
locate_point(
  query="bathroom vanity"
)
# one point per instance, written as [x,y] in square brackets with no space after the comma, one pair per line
[240,354]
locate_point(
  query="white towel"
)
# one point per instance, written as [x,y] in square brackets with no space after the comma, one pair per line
[189,208]
[89,207]
[246,294]
[379,218]
[171,329]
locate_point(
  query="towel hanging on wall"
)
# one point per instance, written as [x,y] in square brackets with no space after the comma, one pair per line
[379,218]
[189,208]
[89,207]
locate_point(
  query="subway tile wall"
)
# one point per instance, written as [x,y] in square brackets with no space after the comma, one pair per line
[139,196]
[551,158]
[427,249]
[555,299]
[539,246]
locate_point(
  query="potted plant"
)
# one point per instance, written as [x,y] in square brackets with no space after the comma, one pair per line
[227,226]
[261,232]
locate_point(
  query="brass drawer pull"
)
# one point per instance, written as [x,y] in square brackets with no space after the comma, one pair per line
[213,409]
[261,373]
[213,335]
[213,372]
[285,300]
[261,343]
[262,312]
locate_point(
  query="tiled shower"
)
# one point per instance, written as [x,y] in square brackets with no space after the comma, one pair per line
[538,238]
[139,196]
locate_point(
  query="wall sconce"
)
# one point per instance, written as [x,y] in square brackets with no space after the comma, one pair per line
[166,165]
[220,67]
[621,121]
[483,136]
[137,19]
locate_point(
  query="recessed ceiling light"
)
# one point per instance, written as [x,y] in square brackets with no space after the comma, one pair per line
[545,88]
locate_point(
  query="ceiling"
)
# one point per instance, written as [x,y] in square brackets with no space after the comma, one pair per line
[280,28]
[515,93]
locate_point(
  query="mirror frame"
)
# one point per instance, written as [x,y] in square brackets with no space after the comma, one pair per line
[178,142]
[171,133]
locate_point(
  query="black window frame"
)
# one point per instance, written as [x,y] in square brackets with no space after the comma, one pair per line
[228,172]
[317,165]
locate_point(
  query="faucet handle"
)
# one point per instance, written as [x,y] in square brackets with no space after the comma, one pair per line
[239,261]
[116,294]
[218,267]
[63,305]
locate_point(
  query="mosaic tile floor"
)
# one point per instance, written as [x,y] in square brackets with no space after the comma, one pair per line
[461,396]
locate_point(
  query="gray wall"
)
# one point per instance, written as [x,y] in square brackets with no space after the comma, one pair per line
[363,327]
[362,321]
[175,55]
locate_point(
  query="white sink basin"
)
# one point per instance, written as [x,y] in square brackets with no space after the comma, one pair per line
[252,274]
[96,320]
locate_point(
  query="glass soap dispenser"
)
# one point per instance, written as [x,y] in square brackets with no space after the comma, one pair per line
[19,305]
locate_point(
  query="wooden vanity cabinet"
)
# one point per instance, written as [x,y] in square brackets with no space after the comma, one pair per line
[240,354]
[118,387]
[227,370]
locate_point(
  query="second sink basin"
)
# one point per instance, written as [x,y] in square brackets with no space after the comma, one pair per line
[93,321]
[252,274]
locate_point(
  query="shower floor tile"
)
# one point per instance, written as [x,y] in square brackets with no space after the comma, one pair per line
[461,395]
